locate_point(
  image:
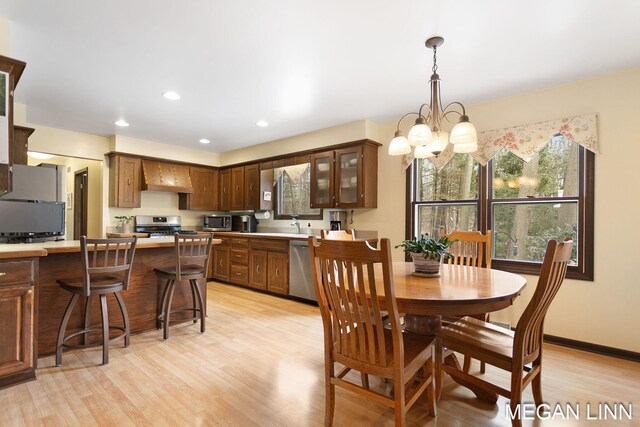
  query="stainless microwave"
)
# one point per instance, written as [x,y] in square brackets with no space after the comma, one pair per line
[221,222]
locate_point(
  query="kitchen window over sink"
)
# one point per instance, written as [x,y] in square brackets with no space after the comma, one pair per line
[293,193]
[524,204]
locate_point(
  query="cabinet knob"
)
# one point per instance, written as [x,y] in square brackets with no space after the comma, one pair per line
[277,272]
[251,186]
[258,268]
[2,273]
[129,181]
[29,292]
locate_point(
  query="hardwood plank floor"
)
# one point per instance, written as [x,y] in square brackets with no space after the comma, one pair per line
[261,363]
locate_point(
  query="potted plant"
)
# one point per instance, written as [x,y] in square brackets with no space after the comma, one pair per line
[123,223]
[427,253]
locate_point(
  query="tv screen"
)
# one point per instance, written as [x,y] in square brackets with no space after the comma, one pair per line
[18,217]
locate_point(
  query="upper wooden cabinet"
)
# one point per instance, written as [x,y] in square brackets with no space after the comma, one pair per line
[205,190]
[237,188]
[165,176]
[20,144]
[252,187]
[345,178]
[124,181]
[11,71]
[224,192]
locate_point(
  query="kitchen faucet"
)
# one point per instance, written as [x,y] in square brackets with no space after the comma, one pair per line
[296,223]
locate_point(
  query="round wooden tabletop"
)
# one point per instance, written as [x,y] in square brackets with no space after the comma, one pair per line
[460,290]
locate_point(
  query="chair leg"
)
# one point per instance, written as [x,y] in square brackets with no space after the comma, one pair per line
[536,388]
[483,367]
[330,394]
[87,320]
[466,366]
[105,329]
[63,328]
[438,368]
[195,288]
[365,380]
[516,397]
[167,309]
[431,392]
[399,404]
[193,300]
[162,304]
[125,319]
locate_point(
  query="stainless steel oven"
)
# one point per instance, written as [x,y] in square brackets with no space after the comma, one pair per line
[220,222]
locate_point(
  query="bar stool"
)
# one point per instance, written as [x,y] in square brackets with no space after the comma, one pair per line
[190,249]
[106,270]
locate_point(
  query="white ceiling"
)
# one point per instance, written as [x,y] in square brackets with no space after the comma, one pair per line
[301,65]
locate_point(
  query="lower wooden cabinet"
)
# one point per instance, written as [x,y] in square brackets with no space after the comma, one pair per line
[220,261]
[278,274]
[17,326]
[258,269]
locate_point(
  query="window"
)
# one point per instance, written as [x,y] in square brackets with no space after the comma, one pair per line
[525,204]
[293,193]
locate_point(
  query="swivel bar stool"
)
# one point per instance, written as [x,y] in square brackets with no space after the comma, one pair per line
[106,266]
[191,252]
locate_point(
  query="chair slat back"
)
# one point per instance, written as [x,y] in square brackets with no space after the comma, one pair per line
[343,273]
[472,248]
[192,249]
[106,256]
[528,337]
[338,234]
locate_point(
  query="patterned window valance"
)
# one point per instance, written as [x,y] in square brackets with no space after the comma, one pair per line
[525,140]
[295,172]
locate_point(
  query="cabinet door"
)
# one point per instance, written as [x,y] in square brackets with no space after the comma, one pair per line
[124,181]
[252,187]
[205,190]
[258,270]
[349,178]
[221,259]
[16,328]
[237,189]
[20,144]
[322,180]
[225,190]
[278,273]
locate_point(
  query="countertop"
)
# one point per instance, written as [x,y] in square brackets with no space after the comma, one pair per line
[23,250]
[281,236]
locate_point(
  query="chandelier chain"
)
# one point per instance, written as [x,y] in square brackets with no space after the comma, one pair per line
[435,59]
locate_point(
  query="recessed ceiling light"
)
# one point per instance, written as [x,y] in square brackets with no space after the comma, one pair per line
[171,95]
[41,156]
[204,141]
[262,124]
[122,123]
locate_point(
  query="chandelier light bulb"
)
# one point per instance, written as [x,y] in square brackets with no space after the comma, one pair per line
[464,132]
[439,142]
[422,152]
[420,134]
[399,145]
[469,147]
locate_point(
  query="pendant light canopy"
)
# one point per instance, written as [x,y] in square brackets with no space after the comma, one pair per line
[427,134]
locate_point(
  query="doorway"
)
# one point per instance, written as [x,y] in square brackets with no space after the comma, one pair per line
[80,202]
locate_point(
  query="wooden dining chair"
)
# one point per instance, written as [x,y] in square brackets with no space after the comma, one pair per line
[354,335]
[192,253]
[503,348]
[106,267]
[471,248]
[338,234]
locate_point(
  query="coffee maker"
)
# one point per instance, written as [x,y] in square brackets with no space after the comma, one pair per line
[337,220]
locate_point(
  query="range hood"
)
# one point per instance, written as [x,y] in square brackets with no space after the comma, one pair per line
[164,176]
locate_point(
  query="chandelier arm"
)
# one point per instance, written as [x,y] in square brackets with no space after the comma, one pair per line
[404,117]
[464,112]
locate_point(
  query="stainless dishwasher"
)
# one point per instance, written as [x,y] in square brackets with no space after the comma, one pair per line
[300,282]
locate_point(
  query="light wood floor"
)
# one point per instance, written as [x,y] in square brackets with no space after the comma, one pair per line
[261,363]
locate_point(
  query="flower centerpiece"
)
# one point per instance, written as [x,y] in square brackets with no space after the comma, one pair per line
[427,253]
[123,223]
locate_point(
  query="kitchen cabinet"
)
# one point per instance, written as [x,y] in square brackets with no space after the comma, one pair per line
[205,190]
[20,145]
[258,269]
[239,260]
[124,181]
[252,187]
[17,328]
[13,69]
[237,188]
[165,176]
[345,177]
[225,189]
[221,259]
[278,272]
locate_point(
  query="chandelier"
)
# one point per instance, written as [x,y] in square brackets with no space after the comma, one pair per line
[427,134]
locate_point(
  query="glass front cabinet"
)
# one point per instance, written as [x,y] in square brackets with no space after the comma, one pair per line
[346,177]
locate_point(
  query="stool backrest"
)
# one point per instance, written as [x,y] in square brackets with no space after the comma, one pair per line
[192,249]
[105,257]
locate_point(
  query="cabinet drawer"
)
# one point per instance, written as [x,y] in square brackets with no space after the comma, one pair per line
[224,240]
[270,245]
[239,274]
[240,242]
[239,256]
[15,272]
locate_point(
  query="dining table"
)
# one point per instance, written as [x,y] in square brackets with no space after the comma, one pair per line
[458,290]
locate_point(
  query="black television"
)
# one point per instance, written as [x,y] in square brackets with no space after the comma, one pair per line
[27,218]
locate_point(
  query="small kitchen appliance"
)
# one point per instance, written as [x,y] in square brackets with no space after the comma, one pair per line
[217,222]
[244,223]
[337,220]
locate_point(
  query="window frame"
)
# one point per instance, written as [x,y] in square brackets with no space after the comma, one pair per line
[585,245]
[276,207]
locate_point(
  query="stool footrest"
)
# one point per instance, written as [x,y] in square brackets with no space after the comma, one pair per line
[96,344]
